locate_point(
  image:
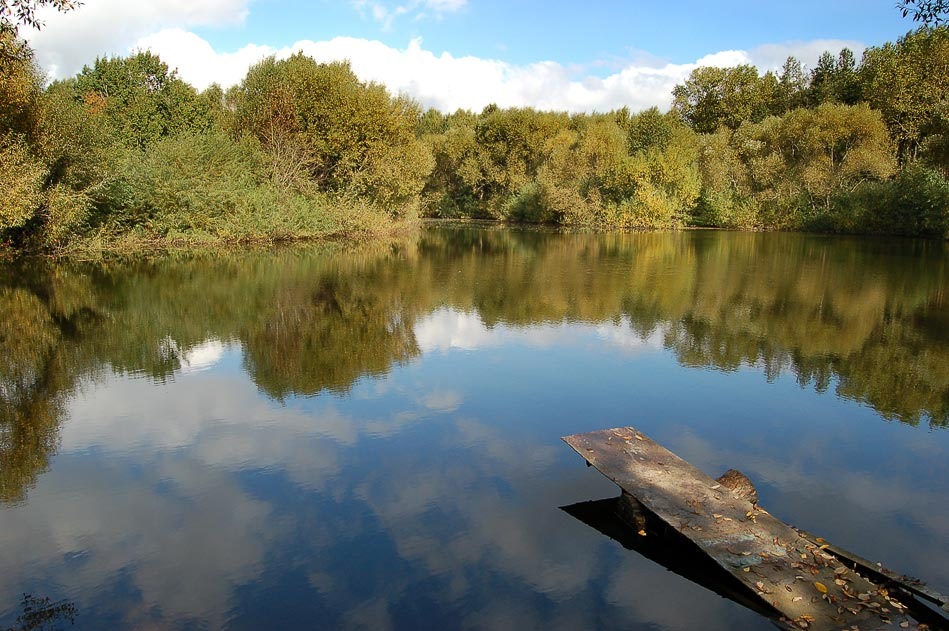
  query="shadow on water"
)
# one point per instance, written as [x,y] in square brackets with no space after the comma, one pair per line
[663,545]
[666,547]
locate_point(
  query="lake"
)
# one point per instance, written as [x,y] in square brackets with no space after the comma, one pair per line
[368,436]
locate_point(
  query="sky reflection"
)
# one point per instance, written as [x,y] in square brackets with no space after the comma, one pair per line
[217,474]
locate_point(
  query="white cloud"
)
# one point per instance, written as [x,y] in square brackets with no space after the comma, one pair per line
[202,356]
[107,27]
[441,80]
[447,82]
[197,62]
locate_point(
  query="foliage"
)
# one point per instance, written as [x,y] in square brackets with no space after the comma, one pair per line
[908,83]
[325,128]
[20,90]
[713,97]
[141,98]
[834,80]
[128,153]
[925,11]
[21,179]
[15,12]
[208,188]
[916,203]
[784,172]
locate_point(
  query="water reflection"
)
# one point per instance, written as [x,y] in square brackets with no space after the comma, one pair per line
[368,437]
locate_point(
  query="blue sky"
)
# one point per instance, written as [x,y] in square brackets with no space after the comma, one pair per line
[467,53]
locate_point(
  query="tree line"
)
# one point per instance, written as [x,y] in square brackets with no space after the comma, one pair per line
[845,147]
[127,154]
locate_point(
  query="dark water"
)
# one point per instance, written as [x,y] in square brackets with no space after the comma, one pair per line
[369,437]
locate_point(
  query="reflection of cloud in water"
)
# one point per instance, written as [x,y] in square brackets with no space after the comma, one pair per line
[447,329]
[202,356]
[184,536]
[120,415]
[466,514]
[163,506]
[442,400]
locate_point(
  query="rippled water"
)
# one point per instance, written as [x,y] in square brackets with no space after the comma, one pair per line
[335,437]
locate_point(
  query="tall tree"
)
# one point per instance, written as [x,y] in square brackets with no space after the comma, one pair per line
[712,97]
[908,83]
[142,97]
[351,138]
[834,80]
[792,85]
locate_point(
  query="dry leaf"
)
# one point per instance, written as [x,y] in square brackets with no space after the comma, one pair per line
[820,587]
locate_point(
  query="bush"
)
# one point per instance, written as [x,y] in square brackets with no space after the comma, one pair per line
[915,203]
[528,205]
[21,180]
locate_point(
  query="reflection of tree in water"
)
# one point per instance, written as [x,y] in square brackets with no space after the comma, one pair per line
[868,315]
[30,407]
[863,312]
[346,328]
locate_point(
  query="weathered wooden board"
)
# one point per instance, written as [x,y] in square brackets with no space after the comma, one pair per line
[879,574]
[808,586]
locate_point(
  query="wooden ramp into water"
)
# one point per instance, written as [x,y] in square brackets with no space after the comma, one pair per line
[805,585]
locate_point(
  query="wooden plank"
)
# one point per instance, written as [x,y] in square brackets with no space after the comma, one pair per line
[810,587]
[880,574]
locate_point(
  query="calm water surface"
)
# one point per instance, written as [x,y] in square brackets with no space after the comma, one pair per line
[368,437]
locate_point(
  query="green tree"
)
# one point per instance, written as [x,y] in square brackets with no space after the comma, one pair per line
[786,172]
[348,137]
[712,97]
[834,80]
[908,82]
[792,86]
[451,140]
[142,98]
